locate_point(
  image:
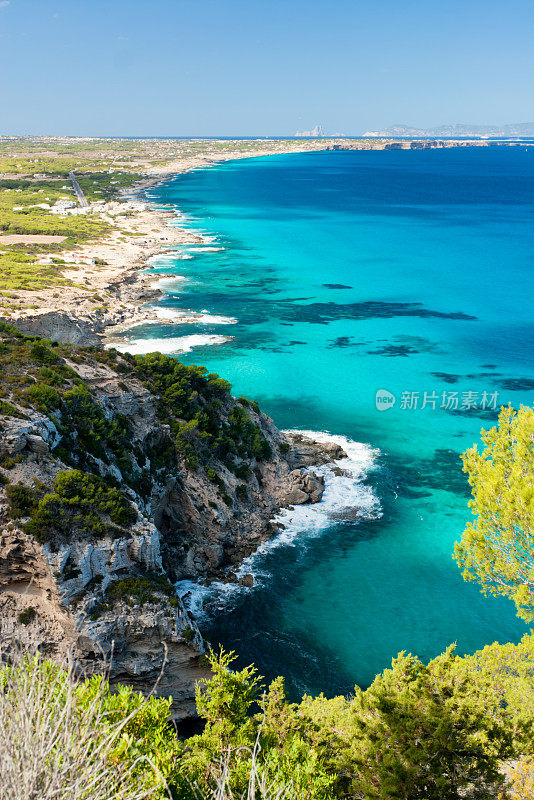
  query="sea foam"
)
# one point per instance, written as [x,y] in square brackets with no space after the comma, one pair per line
[178,315]
[174,344]
[346,497]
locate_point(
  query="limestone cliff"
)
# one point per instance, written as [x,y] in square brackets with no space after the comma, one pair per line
[118,477]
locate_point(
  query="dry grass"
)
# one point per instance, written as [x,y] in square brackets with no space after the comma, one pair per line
[51,747]
[260,785]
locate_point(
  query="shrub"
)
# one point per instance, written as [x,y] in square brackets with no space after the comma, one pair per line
[243,472]
[21,499]
[188,634]
[61,739]
[51,377]
[77,507]
[45,397]
[42,354]
[196,402]
[10,411]
[241,491]
[136,590]
[141,589]
[94,433]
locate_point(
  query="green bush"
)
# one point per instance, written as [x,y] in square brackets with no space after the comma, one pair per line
[79,506]
[142,589]
[136,591]
[44,397]
[243,472]
[188,634]
[197,401]
[65,738]
[10,411]
[42,354]
[241,491]
[51,377]
[21,499]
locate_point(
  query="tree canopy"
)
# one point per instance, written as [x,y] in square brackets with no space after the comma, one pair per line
[497,549]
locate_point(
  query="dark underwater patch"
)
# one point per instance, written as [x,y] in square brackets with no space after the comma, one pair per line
[336,286]
[393,351]
[323,313]
[344,341]
[446,377]
[486,414]
[516,384]
[442,471]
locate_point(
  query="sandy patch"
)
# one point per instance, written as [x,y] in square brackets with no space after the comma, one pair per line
[16,238]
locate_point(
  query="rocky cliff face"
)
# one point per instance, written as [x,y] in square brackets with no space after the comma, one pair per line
[118,477]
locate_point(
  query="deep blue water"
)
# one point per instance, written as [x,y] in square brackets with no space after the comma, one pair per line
[350,272]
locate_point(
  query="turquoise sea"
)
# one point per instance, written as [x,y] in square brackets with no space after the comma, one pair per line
[336,275]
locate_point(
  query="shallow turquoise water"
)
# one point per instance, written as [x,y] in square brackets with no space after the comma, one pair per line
[348,273]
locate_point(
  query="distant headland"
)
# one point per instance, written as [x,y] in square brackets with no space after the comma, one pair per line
[512,130]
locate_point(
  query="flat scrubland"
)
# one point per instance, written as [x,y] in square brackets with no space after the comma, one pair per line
[34,177]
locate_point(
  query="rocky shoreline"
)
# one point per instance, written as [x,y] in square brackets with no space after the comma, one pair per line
[72,592]
[107,297]
[194,524]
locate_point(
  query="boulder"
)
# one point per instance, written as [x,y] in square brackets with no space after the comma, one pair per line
[295,497]
[36,444]
[305,452]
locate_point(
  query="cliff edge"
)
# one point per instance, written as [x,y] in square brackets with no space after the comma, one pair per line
[118,477]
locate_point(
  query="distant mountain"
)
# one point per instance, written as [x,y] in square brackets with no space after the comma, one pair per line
[519,129]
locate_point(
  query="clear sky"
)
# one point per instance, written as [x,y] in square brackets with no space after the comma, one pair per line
[231,67]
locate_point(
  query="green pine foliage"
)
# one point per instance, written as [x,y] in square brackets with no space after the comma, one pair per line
[436,731]
[205,424]
[419,731]
[205,421]
[497,549]
[81,505]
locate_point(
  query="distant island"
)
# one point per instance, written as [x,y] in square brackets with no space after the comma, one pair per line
[515,129]
[316,133]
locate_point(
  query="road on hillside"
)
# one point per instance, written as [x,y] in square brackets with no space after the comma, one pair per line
[78,191]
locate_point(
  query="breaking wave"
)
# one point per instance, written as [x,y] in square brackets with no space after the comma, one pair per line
[346,498]
[173,344]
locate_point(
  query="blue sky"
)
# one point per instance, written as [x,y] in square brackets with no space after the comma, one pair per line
[230,67]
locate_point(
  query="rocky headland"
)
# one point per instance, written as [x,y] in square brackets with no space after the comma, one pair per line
[120,476]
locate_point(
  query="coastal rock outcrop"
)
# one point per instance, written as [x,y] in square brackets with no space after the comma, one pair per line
[119,477]
[306,488]
[62,327]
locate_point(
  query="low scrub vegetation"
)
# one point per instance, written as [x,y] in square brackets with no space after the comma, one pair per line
[436,731]
[81,505]
[205,427]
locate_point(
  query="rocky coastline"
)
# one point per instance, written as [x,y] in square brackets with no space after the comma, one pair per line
[109,289]
[60,592]
[191,523]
